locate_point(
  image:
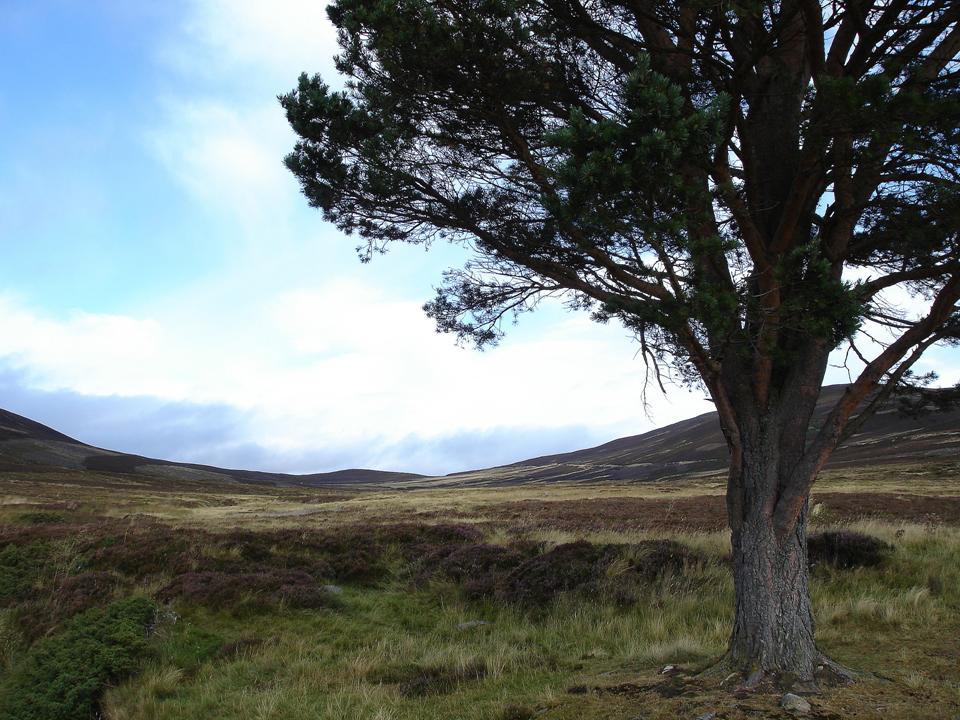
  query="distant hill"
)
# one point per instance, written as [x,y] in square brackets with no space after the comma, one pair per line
[696,447]
[26,445]
[691,447]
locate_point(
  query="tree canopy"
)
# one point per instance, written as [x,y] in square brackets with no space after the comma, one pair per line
[742,184]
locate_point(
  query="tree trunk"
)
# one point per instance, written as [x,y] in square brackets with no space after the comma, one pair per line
[773,622]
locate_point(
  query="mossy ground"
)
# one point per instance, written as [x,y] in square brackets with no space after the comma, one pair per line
[393,643]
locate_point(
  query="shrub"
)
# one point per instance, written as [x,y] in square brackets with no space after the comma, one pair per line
[517,712]
[630,568]
[540,579]
[150,552]
[71,597]
[20,568]
[651,559]
[250,591]
[478,569]
[41,517]
[84,591]
[616,571]
[846,549]
[62,676]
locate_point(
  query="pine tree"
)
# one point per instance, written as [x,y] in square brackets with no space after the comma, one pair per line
[739,183]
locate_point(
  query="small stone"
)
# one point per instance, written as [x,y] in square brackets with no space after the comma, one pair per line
[795,704]
[667,669]
[332,589]
[756,677]
[708,716]
[472,624]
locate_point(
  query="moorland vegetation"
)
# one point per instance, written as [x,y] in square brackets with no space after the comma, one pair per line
[159,602]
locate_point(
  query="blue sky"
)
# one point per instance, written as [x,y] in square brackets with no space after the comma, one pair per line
[165,289]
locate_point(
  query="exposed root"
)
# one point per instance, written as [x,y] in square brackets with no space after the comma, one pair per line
[733,677]
[835,673]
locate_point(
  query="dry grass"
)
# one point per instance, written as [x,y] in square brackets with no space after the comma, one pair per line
[394,650]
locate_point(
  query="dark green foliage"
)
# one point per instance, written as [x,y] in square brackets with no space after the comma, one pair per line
[61,677]
[21,566]
[517,712]
[41,517]
[846,549]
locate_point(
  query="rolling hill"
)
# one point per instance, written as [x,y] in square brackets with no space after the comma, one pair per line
[26,445]
[696,447]
[691,447]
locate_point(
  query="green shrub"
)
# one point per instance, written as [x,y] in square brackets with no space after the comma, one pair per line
[41,517]
[20,568]
[61,677]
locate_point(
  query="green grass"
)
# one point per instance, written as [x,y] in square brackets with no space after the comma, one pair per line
[362,660]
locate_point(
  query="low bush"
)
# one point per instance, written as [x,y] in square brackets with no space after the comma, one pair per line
[540,579]
[62,676]
[41,517]
[616,572]
[846,549]
[151,552]
[249,591]
[477,568]
[517,712]
[84,591]
[73,595]
[20,568]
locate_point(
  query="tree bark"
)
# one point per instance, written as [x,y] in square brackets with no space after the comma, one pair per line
[773,629]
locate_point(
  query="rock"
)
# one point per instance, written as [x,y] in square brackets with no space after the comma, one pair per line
[472,624]
[332,589]
[795,704]
[708,716]
[756,677]
[667,669]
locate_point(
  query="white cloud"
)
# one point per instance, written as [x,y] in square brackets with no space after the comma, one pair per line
[220,132]
[229,159]
[340,365]
[246,40]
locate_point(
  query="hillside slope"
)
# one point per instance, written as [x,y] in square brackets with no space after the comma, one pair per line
[26,445]
[691,447]
[696,447]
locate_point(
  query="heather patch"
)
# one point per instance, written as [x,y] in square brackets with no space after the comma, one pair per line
[249,591]
[846,549]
